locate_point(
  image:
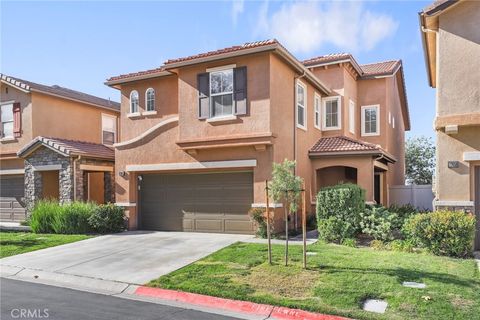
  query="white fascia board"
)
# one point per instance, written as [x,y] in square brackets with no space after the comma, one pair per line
[471,156]
[453,203]
[6,172]
[192,165]
[270,205]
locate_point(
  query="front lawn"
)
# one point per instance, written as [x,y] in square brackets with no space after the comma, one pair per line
[338,279]
[12,243]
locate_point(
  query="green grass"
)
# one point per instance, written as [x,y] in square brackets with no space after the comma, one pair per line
[12,243]
[337,280]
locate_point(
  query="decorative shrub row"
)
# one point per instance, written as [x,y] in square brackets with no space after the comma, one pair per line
[77,217]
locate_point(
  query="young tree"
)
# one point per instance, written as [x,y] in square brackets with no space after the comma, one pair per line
[286,188]
[419,160]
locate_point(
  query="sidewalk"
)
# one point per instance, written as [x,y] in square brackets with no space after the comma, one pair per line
[312,237]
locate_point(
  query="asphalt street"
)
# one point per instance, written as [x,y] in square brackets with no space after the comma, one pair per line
[25,300]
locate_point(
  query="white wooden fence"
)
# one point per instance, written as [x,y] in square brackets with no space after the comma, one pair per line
[420,196]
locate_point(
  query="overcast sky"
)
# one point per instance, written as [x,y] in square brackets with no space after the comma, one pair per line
[80,44]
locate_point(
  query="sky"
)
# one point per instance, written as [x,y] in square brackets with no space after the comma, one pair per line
[79,45]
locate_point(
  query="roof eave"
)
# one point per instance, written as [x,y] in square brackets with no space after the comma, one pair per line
[115,83]
[354,63]
[426,55]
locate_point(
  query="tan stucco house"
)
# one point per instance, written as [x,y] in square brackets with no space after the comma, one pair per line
[451,38]
[200,133]
[55,143]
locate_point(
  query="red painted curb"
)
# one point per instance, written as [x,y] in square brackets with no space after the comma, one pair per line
[251,308]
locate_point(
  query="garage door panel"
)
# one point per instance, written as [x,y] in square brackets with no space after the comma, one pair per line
[217,202]
[12,194]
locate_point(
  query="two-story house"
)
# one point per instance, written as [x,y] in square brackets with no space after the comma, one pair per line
[199,134]
[55,143]
[451,37]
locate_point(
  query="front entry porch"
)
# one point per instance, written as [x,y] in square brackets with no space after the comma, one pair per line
[66,171]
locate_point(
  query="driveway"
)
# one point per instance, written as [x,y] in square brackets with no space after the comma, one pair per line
[134,257]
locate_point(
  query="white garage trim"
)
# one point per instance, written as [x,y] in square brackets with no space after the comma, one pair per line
[11,172]
[471,156]
[192,165]
[48,167]
[270,205]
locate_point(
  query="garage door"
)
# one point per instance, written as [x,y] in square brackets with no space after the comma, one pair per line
[215,202]
[12,198]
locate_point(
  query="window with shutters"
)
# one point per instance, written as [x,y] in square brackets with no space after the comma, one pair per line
[221,93]
[370,120]
[109,129]
[134,101]
[150,99]
[332,113]
[7,120]
[301,105]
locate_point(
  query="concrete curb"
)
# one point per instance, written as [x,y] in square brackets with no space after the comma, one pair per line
[246,309]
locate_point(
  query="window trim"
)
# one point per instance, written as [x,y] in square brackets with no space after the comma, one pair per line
[393,122]
[116,128]
[318,98]
[377,133]
[211,95]
[131,111]
[304,126]
[351,116]
[2,133]
[339,113]
[146,100]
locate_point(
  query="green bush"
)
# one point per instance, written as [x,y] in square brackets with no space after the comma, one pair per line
[378,222]
[449,233]
[402,245]
[349,242]
[258,216]
[334,229]
[43,216]
[378,245]
[73,218]
[107,218]
[338,210]
[403,212]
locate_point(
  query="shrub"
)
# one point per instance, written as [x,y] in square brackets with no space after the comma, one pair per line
[258,216]
[403,212]
[378,245]
[43,215]
[334,229]
[377,222]
[338,209]
[448,233]
[349,242]
[402,245]
[73,218]
[107,218]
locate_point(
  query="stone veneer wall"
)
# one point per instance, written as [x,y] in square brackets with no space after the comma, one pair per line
[33,179]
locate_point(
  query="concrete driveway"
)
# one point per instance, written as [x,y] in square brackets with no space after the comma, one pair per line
[134,257]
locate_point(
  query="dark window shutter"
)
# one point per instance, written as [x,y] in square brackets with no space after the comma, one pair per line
[203,85]
[17,119]
[240,90]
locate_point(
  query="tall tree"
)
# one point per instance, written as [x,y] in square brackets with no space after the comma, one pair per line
[419,160]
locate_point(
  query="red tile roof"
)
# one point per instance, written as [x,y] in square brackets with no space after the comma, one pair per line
[61,91]
[327,58]
[341,144]
[71,148]
[248,45]
[380,68]
[137,74]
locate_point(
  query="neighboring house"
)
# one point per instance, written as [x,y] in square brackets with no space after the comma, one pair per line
[199,134]
[451,38]
[49,135]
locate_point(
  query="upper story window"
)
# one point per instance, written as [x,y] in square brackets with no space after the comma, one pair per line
[301,105]
[109,129]
[7,120]
[332,113]
[134,101]
[317,111]
[351,117]
[221,93]
[150,99]
[370,120]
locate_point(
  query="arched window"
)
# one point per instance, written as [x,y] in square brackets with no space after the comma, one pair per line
[150,99]
[134,101]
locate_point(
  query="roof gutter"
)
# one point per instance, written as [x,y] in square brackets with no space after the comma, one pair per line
[354,63]
[114,83]
[426,54]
